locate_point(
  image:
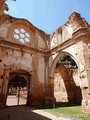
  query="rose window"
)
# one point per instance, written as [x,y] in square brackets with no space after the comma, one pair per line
[21,32]
[21,35]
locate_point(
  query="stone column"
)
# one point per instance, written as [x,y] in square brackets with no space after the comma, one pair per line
[46,78]
[5,85]
[49,85]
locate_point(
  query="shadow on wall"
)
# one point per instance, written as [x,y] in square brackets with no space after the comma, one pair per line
[73,91]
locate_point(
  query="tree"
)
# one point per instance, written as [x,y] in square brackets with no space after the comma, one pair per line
[67,61]
[18,81]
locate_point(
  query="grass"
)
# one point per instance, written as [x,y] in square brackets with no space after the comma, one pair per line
[73,112]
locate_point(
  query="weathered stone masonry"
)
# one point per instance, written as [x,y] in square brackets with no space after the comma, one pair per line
[26,50]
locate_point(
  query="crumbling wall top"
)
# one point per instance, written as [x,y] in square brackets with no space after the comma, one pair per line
[3,7]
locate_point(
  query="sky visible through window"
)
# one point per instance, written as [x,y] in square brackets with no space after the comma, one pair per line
[48,15]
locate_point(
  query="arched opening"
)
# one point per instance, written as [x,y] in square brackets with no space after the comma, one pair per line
[18,92]
[66,86]
[64,71]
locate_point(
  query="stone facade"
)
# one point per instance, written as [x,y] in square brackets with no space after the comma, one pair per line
[30,52]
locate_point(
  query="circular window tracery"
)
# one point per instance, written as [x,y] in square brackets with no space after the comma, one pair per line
[21,35]
[26,39]
[21,40]
[16,31]
[27,35]
[21,32]
[16,36]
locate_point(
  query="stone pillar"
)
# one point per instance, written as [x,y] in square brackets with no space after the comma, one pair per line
[5,84]
[49,85]
[4,87]
[37,84]
[46,73]
[84,73]
[46,83]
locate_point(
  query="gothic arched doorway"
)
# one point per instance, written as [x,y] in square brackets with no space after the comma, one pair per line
[18,92]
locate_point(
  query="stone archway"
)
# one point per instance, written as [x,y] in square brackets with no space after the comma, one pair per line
[53,65]
[18,88]
[68,80]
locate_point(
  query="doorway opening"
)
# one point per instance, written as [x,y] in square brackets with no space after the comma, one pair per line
[17,91]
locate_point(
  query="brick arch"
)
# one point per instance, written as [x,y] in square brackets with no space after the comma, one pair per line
[24,73]
[53,65]
[51,80]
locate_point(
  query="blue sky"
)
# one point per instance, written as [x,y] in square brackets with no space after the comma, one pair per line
[48,15]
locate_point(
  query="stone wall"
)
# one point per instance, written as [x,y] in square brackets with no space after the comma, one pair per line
[83,56]
[21,49]
[12,61]
[74,39]
[60,92]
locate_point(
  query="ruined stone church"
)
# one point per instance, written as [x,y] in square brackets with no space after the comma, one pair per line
[38,61]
